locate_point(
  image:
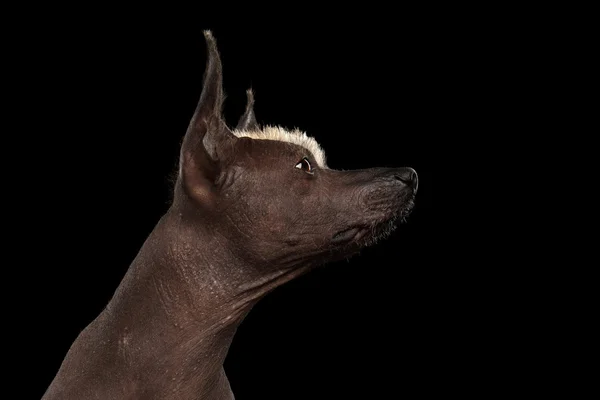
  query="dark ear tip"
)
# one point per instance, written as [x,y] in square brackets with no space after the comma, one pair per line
[210,40]
[250,96]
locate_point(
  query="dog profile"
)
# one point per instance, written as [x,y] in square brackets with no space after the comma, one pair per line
[253,207]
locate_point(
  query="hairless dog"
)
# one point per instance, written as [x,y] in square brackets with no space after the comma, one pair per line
[253,207]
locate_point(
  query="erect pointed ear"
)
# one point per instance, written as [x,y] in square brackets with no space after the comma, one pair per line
[248,121]
[207,133]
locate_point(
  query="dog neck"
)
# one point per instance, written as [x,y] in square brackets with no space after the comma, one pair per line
[182,299]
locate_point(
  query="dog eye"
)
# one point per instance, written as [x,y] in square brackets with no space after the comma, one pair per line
[305,166]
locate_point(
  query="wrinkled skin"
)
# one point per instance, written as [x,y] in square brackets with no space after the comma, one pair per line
[244,220]
[297,224]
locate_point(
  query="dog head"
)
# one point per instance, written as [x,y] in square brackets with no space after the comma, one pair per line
[269,193]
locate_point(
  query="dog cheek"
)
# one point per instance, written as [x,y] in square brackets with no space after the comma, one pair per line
[277,229]
[303,187]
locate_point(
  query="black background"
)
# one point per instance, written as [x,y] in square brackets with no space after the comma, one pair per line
[113,97]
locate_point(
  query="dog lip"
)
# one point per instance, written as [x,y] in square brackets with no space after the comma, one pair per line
[348,235]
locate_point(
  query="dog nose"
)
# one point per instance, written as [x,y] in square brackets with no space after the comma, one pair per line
[409,177]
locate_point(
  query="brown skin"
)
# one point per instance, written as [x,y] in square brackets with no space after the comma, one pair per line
[244,220]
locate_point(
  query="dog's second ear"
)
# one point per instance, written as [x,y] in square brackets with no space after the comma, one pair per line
[207,134]
[248,121]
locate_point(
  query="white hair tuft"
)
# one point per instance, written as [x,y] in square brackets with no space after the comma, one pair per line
[282,135]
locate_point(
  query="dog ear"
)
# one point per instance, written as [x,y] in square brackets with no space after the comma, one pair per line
[207,134]
[248,121]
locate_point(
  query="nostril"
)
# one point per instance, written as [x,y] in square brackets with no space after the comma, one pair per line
[408,177]
[415,181]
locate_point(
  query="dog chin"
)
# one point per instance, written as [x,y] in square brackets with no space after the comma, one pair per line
[368,234]
[382,229]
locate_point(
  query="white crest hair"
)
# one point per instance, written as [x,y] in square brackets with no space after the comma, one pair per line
[282,135]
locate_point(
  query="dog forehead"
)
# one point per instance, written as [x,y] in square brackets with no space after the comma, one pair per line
[279,134]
